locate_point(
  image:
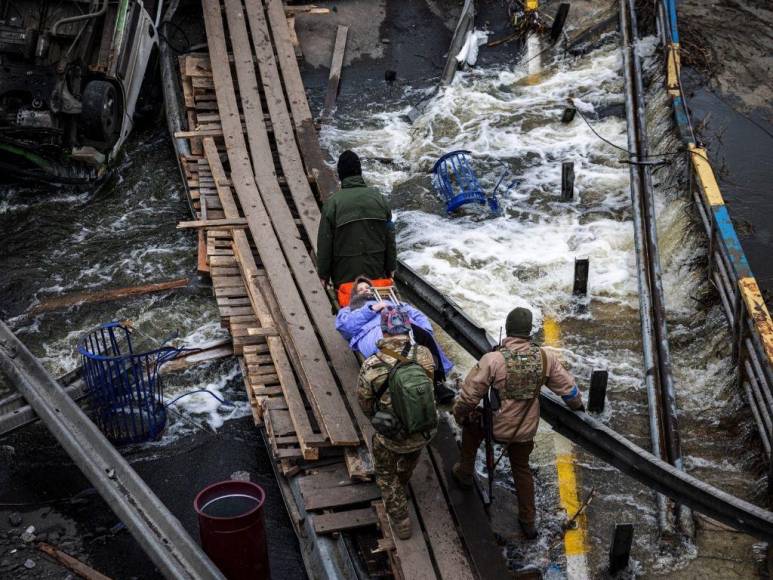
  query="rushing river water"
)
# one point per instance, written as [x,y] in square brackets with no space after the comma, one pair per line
[526,257]
[59,241]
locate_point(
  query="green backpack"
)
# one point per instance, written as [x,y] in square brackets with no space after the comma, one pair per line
[413,397]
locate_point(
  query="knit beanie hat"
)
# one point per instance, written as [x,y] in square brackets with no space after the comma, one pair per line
[395,321]
[518,323]
[348,165]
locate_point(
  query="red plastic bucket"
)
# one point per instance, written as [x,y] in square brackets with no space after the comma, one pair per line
[233,530]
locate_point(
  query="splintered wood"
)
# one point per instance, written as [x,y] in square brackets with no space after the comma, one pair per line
[255,176]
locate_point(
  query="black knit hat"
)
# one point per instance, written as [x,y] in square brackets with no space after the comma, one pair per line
[348,165]
[518,323]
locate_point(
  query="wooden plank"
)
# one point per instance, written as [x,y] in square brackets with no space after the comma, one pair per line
[447,546]
[257,370]
[204,223]
[412,555]
[324,390]
[289,156]
[49,304]
[262,380]
[249,271]
[201,254]
[308,141]
[286,56]
[305,8]
[294,37]
[229,302]
[261,331]
[261,391]
[340,496]
[231,292]
[257,349]
[72,564]
[222,261]
[235,310]
[387,544]
[227,281]
[280,422]
[335,72]
[341,521]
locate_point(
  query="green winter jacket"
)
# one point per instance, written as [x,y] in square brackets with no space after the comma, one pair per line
[356,234]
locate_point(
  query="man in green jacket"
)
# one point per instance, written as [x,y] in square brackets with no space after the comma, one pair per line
[356,234]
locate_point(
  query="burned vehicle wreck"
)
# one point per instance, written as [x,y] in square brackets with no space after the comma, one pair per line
[71,76]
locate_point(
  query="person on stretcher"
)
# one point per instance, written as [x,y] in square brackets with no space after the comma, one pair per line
[359,323]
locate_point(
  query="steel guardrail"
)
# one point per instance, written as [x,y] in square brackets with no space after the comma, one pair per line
[153,526]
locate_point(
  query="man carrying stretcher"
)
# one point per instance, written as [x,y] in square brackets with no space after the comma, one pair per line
[356,234]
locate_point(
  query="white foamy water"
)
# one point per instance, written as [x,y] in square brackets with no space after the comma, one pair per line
[525,257]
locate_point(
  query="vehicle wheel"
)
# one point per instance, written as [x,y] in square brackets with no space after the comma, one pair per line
[101,112]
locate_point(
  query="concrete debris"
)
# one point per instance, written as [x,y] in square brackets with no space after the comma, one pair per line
[29,564]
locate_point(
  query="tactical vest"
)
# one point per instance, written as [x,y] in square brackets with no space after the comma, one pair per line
[525,374]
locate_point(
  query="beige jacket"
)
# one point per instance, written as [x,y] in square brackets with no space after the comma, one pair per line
[511,414]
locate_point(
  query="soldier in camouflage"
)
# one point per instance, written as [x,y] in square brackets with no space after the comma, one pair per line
[394,459]
[518,369]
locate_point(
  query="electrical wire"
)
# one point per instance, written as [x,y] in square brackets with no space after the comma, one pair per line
[221,400]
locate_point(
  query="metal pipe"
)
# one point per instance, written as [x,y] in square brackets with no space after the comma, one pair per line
[757,419]
[757,371]
[80,17]
[668,396]
[755,358]
[717,278]
[759,398]
[649,347]
[156,530]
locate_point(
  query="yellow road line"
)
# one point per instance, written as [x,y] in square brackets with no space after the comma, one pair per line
[575,540]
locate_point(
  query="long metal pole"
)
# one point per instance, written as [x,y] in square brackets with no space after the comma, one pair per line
[651,368]
[156,530]
[667,389]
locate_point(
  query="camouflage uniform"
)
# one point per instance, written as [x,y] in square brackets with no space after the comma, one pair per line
[394,460]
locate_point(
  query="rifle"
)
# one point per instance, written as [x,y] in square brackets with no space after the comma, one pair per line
[491,403]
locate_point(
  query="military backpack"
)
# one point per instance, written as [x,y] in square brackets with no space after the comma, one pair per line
[525,373]
[412,395]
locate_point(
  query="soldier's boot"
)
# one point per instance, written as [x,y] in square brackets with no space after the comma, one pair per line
[403,528]
[463,478]
[529,529]
[472,435]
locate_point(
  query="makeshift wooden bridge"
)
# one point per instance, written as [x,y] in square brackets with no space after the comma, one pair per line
[256,176]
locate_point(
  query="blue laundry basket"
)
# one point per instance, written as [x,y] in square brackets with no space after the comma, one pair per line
[454,179]
[124,390]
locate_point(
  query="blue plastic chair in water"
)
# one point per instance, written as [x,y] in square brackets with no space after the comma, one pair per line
[124,390]
[455,180]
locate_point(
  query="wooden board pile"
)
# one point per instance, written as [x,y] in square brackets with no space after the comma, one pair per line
[255,175]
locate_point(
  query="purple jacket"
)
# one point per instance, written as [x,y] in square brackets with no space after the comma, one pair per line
[362,329]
